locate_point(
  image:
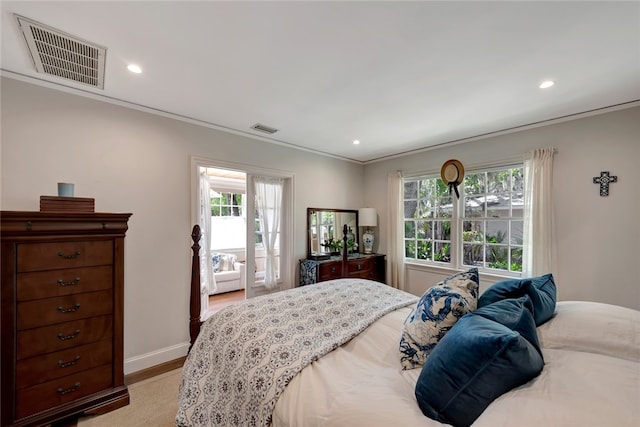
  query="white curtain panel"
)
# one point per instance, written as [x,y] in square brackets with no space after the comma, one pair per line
[207,278]
[539,251]
[268,192]
[395,252]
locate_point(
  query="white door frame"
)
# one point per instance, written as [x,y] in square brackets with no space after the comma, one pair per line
[287,267]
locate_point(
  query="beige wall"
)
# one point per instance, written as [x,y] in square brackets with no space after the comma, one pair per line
[598,237]
[132,161]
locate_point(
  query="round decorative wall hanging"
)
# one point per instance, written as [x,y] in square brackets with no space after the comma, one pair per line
[452,174]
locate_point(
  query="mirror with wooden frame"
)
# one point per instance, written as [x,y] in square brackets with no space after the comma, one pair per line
[325,231]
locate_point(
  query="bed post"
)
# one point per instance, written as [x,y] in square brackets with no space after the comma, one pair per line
[194,303]
[345,252]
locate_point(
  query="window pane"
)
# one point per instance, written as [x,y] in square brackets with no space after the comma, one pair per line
[499,206]
[517,232]
[516,259]
[473,254]
[424,250]
[497,231]
[442,230]
[474,207]
[498,257]
[410,248]
[442,252]
[517,181]
[424,229]
[444,207]
[409,229]
[473,231]
[426,209]
[498,182]
[474,184]
[410,208]
[411,189]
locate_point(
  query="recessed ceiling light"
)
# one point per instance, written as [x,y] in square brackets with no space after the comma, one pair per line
[356,142]
[546,84]
[134,68]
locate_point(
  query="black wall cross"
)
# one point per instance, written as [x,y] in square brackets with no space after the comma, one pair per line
[604,179]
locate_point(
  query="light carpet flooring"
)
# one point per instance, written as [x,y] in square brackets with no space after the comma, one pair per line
[153,403]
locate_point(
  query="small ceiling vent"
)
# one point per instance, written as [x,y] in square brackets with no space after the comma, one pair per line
[263,128]
[62,55]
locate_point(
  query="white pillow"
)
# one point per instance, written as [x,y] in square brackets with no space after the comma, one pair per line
[594,328]
[227,262]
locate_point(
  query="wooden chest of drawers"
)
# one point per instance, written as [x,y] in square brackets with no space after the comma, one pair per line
[371,267]
[62,325]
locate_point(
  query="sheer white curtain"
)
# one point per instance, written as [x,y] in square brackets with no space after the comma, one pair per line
[207,278]
[268,191]
[539,251]
[395,252]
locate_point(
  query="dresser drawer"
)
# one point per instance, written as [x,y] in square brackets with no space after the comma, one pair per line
[62,336]
[48,256]
[62,390]
[53,283]
[40,369]
[49,311]
[329,270]
[359,267]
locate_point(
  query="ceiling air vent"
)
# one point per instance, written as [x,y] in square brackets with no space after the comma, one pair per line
[59,54]
[263,128]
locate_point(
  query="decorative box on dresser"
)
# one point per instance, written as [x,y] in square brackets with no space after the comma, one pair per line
[364,266]
[61,315]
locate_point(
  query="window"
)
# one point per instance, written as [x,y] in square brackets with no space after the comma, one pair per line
[226,204]
[483,229]
[228,227]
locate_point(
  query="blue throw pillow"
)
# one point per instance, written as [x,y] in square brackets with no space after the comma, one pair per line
[215,259]
[434,314]
[541,290]
[476,362]
[516,315]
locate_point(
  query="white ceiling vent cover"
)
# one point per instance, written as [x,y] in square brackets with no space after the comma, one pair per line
[63,55]
[264,128]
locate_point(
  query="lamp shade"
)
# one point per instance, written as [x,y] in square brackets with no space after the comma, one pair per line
[367,217]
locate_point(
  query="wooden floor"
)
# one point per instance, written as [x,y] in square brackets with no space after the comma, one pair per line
[218,302]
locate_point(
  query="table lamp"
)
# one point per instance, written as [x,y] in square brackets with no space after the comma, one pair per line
[367,218]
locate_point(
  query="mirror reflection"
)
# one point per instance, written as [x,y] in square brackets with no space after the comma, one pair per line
[325,231]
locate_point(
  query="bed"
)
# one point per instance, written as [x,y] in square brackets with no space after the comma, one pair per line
[329,355]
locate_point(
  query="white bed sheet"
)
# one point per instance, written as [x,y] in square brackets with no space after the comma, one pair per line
[362,384]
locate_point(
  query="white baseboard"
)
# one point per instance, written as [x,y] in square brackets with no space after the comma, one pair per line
[154,358]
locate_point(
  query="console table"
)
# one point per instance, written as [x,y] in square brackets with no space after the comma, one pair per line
[365,266]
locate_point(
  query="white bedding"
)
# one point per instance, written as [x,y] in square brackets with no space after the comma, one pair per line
[591,378]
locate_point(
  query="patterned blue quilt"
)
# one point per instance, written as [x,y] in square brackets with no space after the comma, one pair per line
[247,353]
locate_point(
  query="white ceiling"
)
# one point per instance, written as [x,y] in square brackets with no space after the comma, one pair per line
[398,76]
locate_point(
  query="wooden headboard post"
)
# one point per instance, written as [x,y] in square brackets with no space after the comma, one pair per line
[345,252]
[194,303]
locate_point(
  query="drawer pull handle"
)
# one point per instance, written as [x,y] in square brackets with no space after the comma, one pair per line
[63,391]
[359,266]
[73,282]
[61,309]
[333,269]
[63,337]
[73,256]
[69,363]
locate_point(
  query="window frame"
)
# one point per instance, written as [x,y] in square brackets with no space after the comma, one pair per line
[457,220]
